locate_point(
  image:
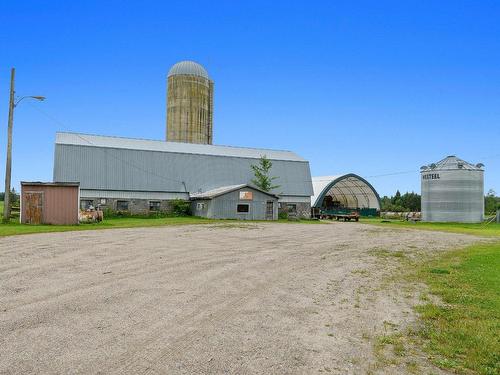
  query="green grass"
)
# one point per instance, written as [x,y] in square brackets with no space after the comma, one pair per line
[15,228]
[480,229]
[462,333]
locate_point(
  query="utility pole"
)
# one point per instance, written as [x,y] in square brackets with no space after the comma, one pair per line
[8,166]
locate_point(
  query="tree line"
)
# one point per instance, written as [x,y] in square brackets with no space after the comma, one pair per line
[411,202]
[491,202]
[14,196]
[407,202]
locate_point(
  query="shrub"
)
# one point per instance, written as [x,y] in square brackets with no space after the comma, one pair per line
[283,215]
[181,207]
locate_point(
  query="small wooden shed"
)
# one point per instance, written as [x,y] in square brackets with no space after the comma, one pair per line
[241,202]
[50,202]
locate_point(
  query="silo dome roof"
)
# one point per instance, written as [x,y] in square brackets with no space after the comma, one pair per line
[452,162]
[189,68]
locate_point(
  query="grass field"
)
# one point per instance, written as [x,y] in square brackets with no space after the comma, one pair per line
[480,229]
[15,228]
[461,333]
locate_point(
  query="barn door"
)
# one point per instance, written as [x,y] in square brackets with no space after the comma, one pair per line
[269,210]
[33,207]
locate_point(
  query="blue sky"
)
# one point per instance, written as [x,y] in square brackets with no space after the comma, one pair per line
[369,87]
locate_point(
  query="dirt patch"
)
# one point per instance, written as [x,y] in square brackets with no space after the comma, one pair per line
[278,298]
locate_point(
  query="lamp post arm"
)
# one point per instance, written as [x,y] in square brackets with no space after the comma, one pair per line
[28,96]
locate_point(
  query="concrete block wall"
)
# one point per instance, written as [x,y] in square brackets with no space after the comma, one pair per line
[141,206]
[135,206]
[303,209]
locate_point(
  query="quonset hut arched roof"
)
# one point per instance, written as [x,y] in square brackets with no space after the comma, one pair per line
[349,189]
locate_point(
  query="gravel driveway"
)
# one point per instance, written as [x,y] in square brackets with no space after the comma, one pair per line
[212,299]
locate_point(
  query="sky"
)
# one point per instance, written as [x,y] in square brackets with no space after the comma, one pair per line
[376,88]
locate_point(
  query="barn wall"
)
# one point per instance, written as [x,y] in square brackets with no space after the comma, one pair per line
[113,169]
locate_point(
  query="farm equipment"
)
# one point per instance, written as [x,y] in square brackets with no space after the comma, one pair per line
[90,215]
[339,214]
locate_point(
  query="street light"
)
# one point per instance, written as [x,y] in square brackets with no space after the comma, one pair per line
[12,104]
[41,98]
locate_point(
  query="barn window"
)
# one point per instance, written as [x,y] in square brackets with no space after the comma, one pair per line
[291,208]
[154,205]
[122,205]
[243,208]
[85,204]
[200,206]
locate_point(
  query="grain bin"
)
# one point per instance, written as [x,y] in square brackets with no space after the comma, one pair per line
[452,191]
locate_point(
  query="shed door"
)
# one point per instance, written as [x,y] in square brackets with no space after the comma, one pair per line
[33,207]
[269,210]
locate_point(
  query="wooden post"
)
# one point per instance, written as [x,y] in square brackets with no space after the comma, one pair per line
[8,166]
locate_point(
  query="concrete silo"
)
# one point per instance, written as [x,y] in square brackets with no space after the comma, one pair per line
[189,104]
[453,191]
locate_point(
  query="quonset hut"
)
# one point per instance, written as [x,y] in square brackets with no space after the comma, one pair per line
[348,192]
[452,190]
[140,176]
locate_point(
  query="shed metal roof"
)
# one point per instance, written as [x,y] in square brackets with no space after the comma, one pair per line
[177,147]
[41,183]
[226,189]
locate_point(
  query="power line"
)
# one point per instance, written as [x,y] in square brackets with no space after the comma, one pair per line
[82,137]
[152,173]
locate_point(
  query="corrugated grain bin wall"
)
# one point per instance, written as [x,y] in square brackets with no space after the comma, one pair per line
[452,191]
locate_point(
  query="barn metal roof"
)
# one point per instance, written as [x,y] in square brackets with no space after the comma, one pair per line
[177,147]
[122,164]
[350,189]
[189,68]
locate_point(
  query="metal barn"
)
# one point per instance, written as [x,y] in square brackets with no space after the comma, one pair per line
[241,202]
[49,203]
[141,176]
